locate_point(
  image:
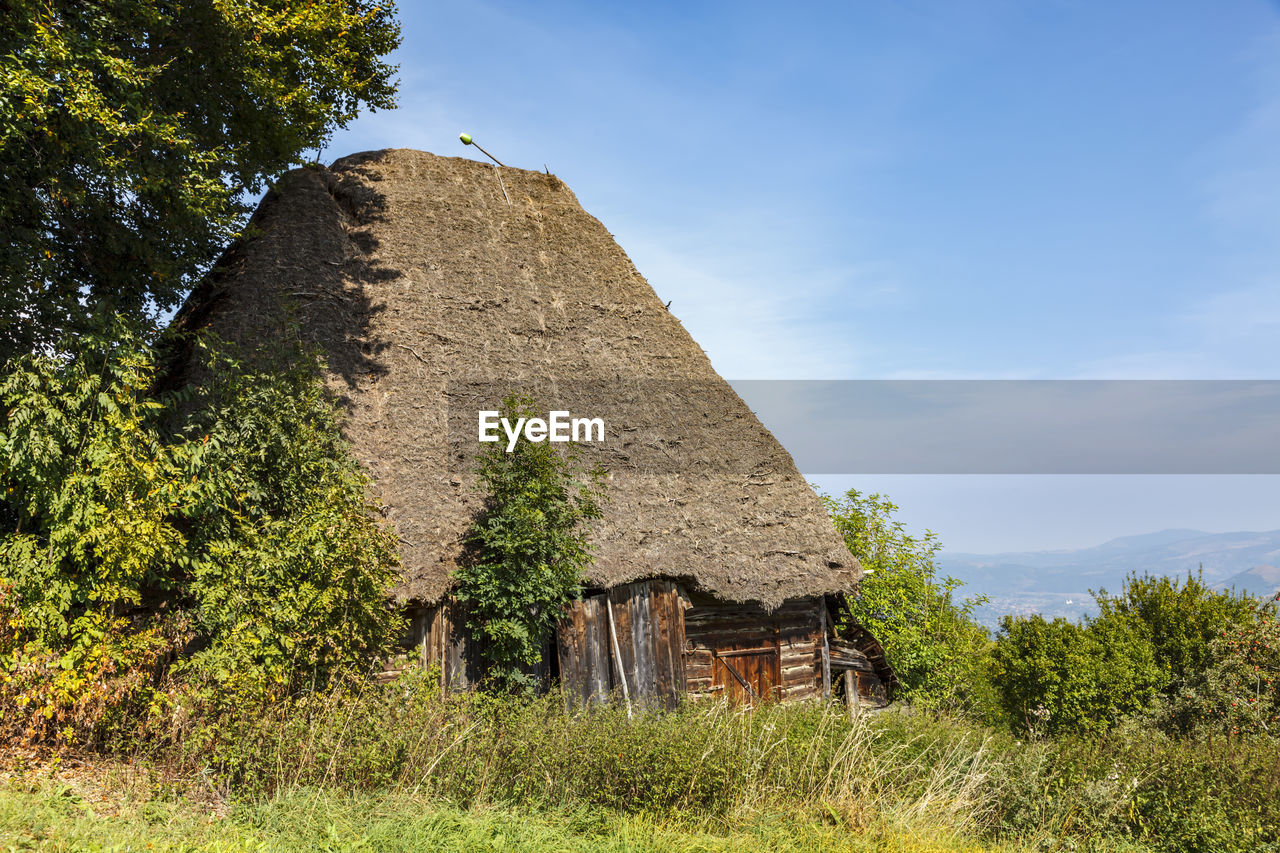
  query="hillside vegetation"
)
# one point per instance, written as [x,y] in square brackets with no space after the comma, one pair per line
[396,765]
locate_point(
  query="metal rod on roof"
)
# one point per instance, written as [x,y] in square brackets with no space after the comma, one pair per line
[467,140]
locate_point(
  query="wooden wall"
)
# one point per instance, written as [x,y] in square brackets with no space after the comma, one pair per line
[669,643]
[438,637]
[779,651]
[847,656]
[647,620]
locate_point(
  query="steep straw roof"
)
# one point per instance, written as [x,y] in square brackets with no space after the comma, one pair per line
[432,284]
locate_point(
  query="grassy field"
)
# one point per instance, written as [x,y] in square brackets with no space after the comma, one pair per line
[398,767]
[52,816]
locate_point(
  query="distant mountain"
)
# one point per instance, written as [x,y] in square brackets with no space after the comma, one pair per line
[1262,581]
[1057,583]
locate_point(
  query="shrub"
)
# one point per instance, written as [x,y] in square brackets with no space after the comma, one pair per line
[1180,618]
[1238,691]
[936,648]
[526,550]
[91,499]
[288,573]
[1058,677]
[240,540]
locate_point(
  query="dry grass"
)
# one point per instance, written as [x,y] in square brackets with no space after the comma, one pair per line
[468,771]
[711,766]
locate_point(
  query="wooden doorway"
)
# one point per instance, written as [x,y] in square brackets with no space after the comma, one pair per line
[748,675]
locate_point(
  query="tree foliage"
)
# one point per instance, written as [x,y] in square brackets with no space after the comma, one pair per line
[1157,641]
[930,639]
[1180,618]
[235,537]
[1056,677]
[1237,690]
[289,571]
[527,549]
[132,131]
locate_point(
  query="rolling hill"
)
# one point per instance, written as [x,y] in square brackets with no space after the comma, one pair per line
[1057,583]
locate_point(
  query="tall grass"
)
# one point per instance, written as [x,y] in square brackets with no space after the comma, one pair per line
[713,763]
[715,768]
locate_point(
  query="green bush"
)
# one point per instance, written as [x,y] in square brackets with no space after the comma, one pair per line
[527,549]
[1167,650]
[1238,690]
[1180,618]
[1059,677]
[288,573]
[933,643]
[238,543]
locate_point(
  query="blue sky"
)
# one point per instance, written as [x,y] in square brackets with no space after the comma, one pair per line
[910,190]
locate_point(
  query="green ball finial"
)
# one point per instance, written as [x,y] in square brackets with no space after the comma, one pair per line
[465,137]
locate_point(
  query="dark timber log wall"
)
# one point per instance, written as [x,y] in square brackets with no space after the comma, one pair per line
[862,654]
[777,655]
[671,644]
[438,634]
[647,619]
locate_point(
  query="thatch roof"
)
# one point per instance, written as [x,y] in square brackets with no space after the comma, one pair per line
[431,285]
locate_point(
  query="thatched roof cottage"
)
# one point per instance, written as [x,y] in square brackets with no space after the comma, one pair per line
[433,285]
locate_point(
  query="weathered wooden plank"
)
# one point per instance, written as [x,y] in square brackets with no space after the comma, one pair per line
[676,640]
[668,661]
[799,626]
[644,688]
[620,599]
[567,648]
[799,653]
[459,652]
[789,694]
[792,607]
[824,619]
[719,639]
[596,633]
[575,654]
[802,671]
[660,634]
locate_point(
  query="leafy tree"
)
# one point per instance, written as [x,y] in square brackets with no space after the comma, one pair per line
[133,131]
[1181,618]
[526,550]
[1238,689]
[289,574]
[1058,677]
[241,542]
[1152,651]
[932,642]
[92,493]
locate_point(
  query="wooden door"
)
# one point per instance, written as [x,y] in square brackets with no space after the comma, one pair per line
[748,675]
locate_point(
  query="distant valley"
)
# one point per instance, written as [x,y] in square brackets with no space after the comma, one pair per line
[1057,583]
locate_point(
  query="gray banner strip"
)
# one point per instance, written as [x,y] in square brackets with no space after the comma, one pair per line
[1023,426]
[702,428]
